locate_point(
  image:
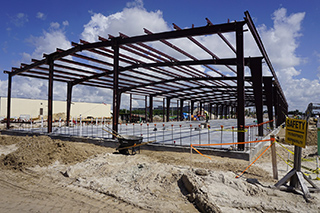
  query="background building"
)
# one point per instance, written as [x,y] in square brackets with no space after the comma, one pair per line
[35,108]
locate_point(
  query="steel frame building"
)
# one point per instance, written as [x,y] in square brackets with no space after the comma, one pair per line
[131,65]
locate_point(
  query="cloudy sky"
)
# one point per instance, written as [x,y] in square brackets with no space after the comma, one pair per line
[289,30]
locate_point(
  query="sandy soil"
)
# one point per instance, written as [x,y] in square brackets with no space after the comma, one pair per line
[38,174]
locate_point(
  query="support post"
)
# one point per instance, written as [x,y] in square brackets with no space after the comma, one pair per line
[50,94]
[256,73]
[168,109]
[69,96]
[267,81]
[146,108]
[240,85]
[276,106]
[210,111]
[130,108]
[216,111]
[116,92]
[274,158]
[164,110]
[178,111]
[181,109]
[192,108]
[151,108]
[9,100]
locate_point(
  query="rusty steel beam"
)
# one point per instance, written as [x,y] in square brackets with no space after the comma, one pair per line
[205,49]
[69,96]
[223,38]
[197,31]
[50,94]
[263,51]
[240,85]
[116,92]
[9,99]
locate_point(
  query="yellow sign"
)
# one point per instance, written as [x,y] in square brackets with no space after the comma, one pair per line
[296,132]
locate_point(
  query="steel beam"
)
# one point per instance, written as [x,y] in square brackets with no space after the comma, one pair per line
[163,110]
[256,73]
[130,107]
[181,109]
[192,107]
[276,105]
[9,99]
[267,81]
[151,108]
[146,107]
[197,31]
[116,92]
[240,85]
[168,109]
[258,40]
[69,96]
[50,93]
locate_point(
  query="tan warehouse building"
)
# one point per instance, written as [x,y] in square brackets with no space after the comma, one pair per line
[35,108]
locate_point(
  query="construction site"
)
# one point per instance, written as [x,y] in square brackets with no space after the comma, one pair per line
[211,156]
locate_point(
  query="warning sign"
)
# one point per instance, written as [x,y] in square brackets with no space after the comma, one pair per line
[296,132]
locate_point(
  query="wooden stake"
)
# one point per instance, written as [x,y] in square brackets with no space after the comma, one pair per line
[274,158]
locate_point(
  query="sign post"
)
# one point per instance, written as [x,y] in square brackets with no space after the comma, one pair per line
[296,134]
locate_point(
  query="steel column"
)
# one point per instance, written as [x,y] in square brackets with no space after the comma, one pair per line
[192,108]
[267,81]
[256,73]
[240,85]
[50,94]
[9,100]
[69,96]
[130,107]
[116,93]
[216,111]
[146,108]
[181,109]
[168,109]
[164,110]
[178,110]
[276,105]
[210,111]
[151,108]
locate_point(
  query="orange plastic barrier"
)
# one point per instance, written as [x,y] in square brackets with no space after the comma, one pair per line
[260,124]
[256,158]
[218,144]
[273,141]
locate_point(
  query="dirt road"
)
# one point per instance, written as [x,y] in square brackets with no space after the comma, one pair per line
[38,174]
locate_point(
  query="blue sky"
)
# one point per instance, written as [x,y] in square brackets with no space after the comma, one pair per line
[289,30]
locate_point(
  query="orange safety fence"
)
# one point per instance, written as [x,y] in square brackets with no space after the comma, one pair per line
[273,141]
[260,124]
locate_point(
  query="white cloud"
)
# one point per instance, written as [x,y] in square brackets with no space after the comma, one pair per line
[281,42]
[65,23]
[41,16]
[283,38]
[130,21]
[19,19]
[54,25]
[48,42]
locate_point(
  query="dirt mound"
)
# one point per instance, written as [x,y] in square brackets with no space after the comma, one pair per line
[44,151]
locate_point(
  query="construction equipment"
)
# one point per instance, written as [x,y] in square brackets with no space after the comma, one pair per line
[127,142]
[312,110]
